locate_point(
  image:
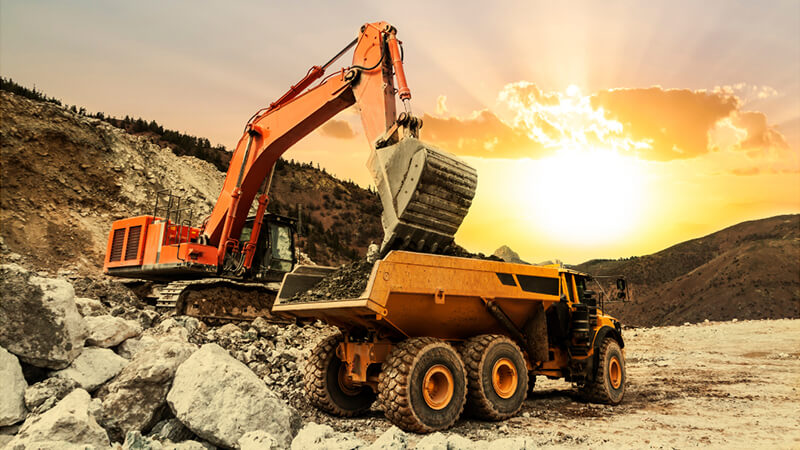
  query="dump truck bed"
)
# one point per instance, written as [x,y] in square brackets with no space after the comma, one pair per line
[415,294]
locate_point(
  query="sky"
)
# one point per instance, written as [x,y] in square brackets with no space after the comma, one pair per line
[598,129]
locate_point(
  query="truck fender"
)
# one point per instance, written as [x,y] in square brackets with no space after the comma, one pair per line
[599,337]
[602,333]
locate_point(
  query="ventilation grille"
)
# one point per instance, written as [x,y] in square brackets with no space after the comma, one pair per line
[116,245]
[132,249]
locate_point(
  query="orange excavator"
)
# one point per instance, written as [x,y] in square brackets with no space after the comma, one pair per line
[425,192]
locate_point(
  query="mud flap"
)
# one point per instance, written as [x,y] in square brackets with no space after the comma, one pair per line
[425,194]
[535,331]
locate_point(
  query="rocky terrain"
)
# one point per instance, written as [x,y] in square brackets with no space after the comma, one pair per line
[66,177]
[83,373]
[747,271]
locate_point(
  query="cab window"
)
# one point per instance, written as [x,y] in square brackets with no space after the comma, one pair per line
[570,287]
[280,239]
[581,283]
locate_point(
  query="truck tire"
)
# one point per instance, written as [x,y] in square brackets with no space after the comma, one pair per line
[422,386]
[325,386]
[497,377]
[608,385]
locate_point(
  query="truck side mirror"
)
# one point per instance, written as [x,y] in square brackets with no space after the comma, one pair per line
[621,284]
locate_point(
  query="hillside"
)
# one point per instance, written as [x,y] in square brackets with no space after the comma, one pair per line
[750,270]
[65,177]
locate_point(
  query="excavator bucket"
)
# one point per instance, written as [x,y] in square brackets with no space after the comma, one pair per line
[425,194]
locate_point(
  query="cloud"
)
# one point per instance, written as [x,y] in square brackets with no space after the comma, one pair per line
[339,129]
[653,124]
[674,122]
[482,134]
[441,105]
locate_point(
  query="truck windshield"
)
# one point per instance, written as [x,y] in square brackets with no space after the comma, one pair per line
[281,243]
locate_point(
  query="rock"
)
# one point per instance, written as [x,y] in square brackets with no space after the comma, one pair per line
[220,400]
[259,440]
[228,329]
[189,445]
[171,430]
[462,443]
[132,346]
[435,441]
[12,389]
[147,318]
[169,329]
[314,435]
[135,441]
[52,389]
[190,323]
[515,443]
[134,399]
[264,328]
[39,321]
[90,307]
[93,367]
[68,422]
[109,331]
[392,439]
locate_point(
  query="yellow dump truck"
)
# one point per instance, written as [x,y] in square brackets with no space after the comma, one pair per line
[433,336]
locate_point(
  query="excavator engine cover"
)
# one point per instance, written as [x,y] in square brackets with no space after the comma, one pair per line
[425,194]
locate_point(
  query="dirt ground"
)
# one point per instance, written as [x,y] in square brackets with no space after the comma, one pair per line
[718,384]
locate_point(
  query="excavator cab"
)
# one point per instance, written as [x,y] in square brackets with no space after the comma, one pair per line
[275,250]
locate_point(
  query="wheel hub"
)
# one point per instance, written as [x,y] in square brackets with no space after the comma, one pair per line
[345,384]
[437,387]
[504,378]
[615,372]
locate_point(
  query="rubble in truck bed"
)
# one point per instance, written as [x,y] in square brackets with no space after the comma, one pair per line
[350,280]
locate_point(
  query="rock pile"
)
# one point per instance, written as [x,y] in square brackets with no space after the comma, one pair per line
[349,281]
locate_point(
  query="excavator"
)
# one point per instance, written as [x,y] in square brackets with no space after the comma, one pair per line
[425,192]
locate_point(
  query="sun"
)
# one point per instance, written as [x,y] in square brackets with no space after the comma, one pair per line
[585,196]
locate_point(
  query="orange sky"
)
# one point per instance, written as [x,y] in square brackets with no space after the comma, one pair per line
[599,129]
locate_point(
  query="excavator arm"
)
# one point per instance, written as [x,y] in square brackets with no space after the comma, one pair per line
[368,82]
[425,192]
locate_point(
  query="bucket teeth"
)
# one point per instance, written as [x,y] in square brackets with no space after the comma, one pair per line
[425,193]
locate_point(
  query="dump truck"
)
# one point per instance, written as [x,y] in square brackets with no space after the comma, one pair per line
[425,192]
[432,336]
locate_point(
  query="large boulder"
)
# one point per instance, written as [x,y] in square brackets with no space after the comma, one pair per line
[93,367]
[68,423]
[220,400]
[39,321]
[12,389]
[109,331]
[41,396]
[314,435]
[135,399]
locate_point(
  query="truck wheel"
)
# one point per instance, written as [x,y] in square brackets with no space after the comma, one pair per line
[422,385]
[326,386]
[608,385]
[497,377]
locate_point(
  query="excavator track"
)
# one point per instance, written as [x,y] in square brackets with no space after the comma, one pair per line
[217,300]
